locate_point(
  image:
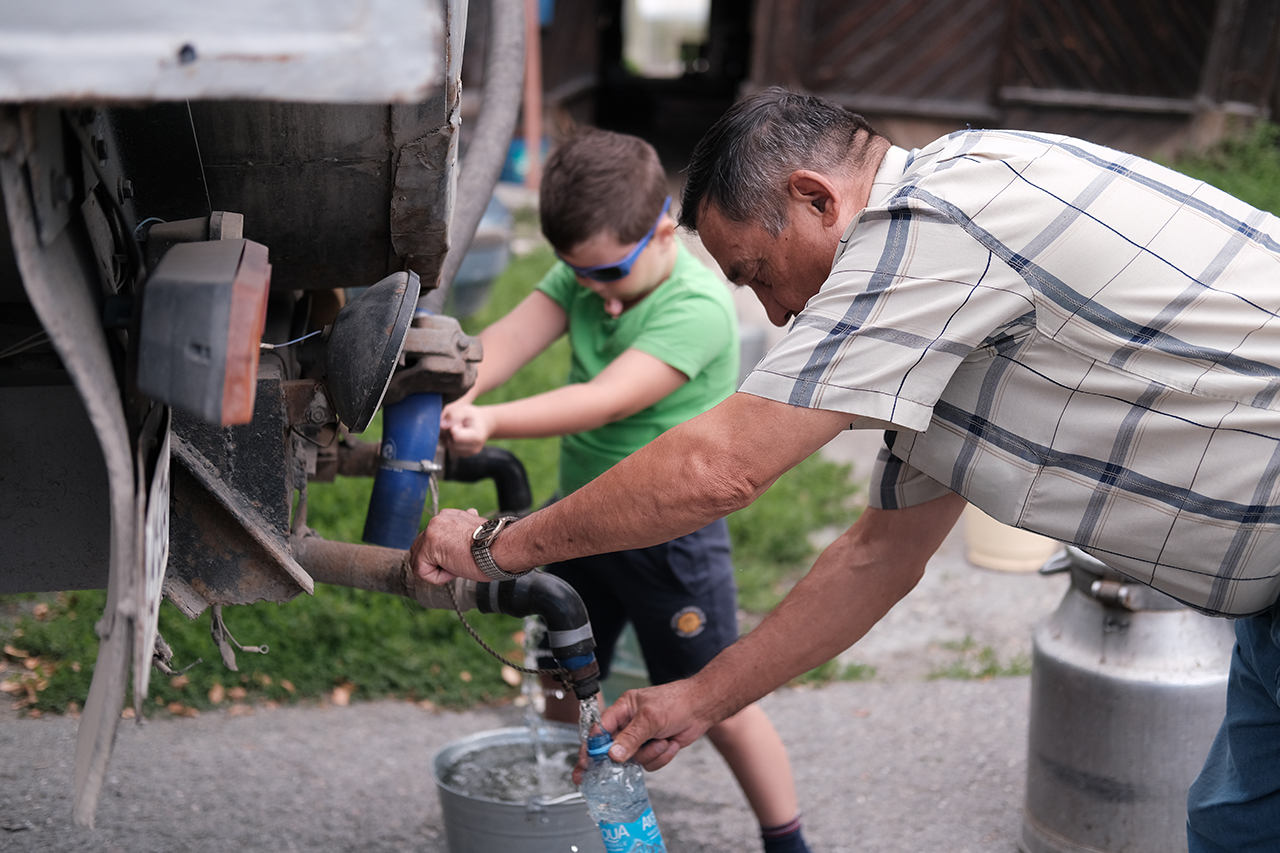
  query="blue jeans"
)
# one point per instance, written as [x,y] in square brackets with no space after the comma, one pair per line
[1234,804]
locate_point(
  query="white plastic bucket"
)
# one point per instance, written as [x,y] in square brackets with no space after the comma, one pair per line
[994,545]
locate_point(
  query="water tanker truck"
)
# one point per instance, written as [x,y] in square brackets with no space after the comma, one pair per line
[228,229]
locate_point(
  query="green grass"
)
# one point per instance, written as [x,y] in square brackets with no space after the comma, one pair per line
[370,645]
[973,663]
[832,671]
[1247,166]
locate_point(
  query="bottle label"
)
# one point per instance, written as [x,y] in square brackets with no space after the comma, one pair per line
[639,836]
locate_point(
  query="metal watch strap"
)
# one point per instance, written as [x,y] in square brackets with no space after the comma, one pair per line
[481,542]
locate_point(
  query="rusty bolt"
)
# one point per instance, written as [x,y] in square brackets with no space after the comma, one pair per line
[316,415]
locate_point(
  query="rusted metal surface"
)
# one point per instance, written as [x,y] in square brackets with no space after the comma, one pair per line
[376,569]
[232,499]
[347,456]
[440,358]
[343,194]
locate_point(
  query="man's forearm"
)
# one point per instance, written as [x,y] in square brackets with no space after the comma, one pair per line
[689,476]
[851,586]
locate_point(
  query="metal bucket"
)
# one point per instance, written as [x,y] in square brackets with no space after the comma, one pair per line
[475,824]
[1128,688]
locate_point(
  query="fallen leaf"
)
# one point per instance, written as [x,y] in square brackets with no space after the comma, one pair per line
[518,638]
[239,710]
[510,676]
[287,685]
[179,681]
[341,696]
[127,714]
[263,678]
[75,666]
[31,663]
[11,686]
[465,676]
[862,712]
[427,705]
[40,611]
[180,710]
[237,693]
[35,714]
[217,693]
[15,652]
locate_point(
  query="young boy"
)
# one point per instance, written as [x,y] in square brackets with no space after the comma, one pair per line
[654,342]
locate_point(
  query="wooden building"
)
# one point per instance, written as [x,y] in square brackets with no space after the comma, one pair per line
[1149,76]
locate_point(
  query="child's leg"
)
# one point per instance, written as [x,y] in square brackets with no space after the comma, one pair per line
[754,752]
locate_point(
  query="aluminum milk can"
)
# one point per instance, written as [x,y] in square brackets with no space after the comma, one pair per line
[1128,687]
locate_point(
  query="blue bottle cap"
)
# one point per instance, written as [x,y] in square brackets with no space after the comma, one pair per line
[599,744]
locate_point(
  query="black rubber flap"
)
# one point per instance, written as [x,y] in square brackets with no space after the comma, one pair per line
[364,347]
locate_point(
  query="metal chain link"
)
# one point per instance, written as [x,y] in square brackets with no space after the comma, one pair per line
[559,673]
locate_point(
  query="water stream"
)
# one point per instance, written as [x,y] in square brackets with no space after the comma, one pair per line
[536,769]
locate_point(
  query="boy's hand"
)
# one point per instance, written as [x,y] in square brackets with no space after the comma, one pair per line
[466,428]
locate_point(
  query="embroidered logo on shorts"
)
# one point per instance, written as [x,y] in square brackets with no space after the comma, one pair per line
[689,622]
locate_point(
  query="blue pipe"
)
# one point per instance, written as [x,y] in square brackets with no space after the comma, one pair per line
[410,433]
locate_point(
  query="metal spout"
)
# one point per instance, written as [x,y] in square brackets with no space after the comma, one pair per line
[380,569]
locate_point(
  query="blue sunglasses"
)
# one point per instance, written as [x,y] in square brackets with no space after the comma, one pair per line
[606,273]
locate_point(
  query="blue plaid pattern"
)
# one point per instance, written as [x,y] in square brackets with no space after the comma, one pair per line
[1080,342]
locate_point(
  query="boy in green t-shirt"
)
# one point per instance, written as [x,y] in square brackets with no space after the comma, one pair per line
[654,342]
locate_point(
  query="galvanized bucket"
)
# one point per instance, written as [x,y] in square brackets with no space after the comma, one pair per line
[1128,687]
[475,824]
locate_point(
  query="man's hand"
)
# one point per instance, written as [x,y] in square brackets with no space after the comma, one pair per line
[466,428]
[442,552]
[655,723]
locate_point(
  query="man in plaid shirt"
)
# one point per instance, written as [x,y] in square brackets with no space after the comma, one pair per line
[1080,342]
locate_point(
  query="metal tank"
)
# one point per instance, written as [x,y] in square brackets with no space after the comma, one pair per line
[1128,687]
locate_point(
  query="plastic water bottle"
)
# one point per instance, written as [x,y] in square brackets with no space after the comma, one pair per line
[617,800]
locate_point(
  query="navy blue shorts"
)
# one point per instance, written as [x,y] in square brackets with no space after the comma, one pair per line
[680,596]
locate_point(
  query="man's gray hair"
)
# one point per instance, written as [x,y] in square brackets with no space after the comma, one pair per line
[741,165]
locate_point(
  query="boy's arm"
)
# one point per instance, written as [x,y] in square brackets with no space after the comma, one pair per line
[631,383]
[515,340]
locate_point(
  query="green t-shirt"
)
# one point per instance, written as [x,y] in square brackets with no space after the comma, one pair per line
[688,322]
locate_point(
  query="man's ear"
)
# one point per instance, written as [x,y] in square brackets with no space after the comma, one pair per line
[816,193]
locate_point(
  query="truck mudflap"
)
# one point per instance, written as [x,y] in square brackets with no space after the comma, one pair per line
[60,287]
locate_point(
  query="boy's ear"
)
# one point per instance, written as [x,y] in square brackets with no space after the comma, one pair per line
[816,194]
[666,229]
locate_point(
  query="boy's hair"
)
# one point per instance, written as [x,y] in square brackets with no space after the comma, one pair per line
[597,181]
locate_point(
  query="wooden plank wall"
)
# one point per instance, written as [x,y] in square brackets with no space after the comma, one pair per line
[1161,63]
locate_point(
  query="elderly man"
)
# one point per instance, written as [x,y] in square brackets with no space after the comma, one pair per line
[1080,342]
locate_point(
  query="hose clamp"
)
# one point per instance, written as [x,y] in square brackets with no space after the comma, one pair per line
[418,466]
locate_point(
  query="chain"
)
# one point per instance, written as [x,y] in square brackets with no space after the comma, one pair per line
[559,673]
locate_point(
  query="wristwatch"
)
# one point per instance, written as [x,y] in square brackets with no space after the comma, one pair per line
[482,540]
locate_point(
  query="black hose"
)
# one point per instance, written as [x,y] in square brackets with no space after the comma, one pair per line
[561,608]
[487,150]
[503,467]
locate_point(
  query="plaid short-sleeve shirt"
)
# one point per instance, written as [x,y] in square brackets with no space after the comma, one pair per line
[1080,342]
